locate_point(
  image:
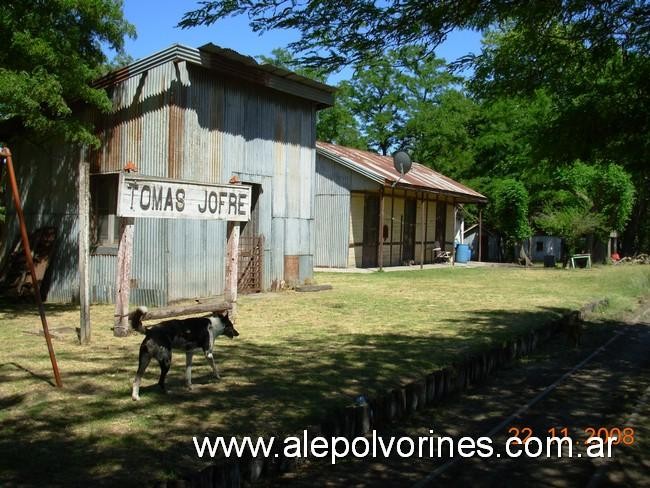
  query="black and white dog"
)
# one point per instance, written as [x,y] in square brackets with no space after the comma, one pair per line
[186,334]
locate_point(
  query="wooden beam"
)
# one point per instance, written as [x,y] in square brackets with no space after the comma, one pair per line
[380,248]
[84,249]
[123,277]
[167,312]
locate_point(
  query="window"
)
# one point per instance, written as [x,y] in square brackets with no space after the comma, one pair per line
[104,224]
[539,246]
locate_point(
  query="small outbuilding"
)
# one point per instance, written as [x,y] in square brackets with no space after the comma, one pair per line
[487,248]
[182,115]
[369,215]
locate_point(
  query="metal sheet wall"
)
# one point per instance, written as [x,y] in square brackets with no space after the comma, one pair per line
[332,211]
[149,266]
[49,198]
[182,121]
[334,179]
[102,278]
[332,230]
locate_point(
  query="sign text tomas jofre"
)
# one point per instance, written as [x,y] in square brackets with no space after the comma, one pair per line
[147,196]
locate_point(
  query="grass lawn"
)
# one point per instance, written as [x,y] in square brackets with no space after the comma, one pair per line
[298,355]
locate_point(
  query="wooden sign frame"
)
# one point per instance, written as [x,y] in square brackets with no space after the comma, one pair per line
[164,198]
[220,202]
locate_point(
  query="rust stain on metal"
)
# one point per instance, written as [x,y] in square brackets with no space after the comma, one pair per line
[291,269]
[175,137]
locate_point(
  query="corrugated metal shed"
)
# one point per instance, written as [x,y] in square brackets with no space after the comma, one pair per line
[194,114]
[380,169]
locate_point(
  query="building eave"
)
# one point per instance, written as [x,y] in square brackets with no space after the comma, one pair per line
[230,63]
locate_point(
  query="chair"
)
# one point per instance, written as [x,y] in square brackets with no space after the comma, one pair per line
[439,254]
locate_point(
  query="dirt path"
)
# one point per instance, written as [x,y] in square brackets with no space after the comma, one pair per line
[612,389]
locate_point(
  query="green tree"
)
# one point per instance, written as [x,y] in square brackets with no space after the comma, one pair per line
[443,134]
[508,208]
[52,50]
[392,96]
[573,224]
[283,58]
[605,189]
[597,102]
[377,99]
[589,201]
[333,33]
[338,124]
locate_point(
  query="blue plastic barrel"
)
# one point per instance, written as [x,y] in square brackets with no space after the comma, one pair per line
[463,253]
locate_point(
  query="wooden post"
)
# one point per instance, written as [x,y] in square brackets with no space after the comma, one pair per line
[84,250]
[6,153]
[424,232]
[232,264]
[380,249]
[232,258]
[123,278]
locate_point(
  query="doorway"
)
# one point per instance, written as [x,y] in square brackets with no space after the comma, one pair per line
[251,249]
[408,240]
[441,223]
[370,231]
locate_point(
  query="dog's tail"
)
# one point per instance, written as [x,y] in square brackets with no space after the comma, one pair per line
[135,319]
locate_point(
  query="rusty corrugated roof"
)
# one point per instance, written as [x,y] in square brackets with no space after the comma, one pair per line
[380,169]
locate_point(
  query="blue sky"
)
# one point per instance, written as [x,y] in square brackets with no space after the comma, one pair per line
[155,22]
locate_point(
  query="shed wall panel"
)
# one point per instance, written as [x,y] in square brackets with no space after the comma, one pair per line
[196,256]
[150,262]
[332,230]
[334,179]
[49,198]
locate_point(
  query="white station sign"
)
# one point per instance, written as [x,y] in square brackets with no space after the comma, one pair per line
[161,198]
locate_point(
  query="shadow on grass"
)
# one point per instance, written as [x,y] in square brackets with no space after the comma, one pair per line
[15,308]
[17,366]
[602,393]
[93,431]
